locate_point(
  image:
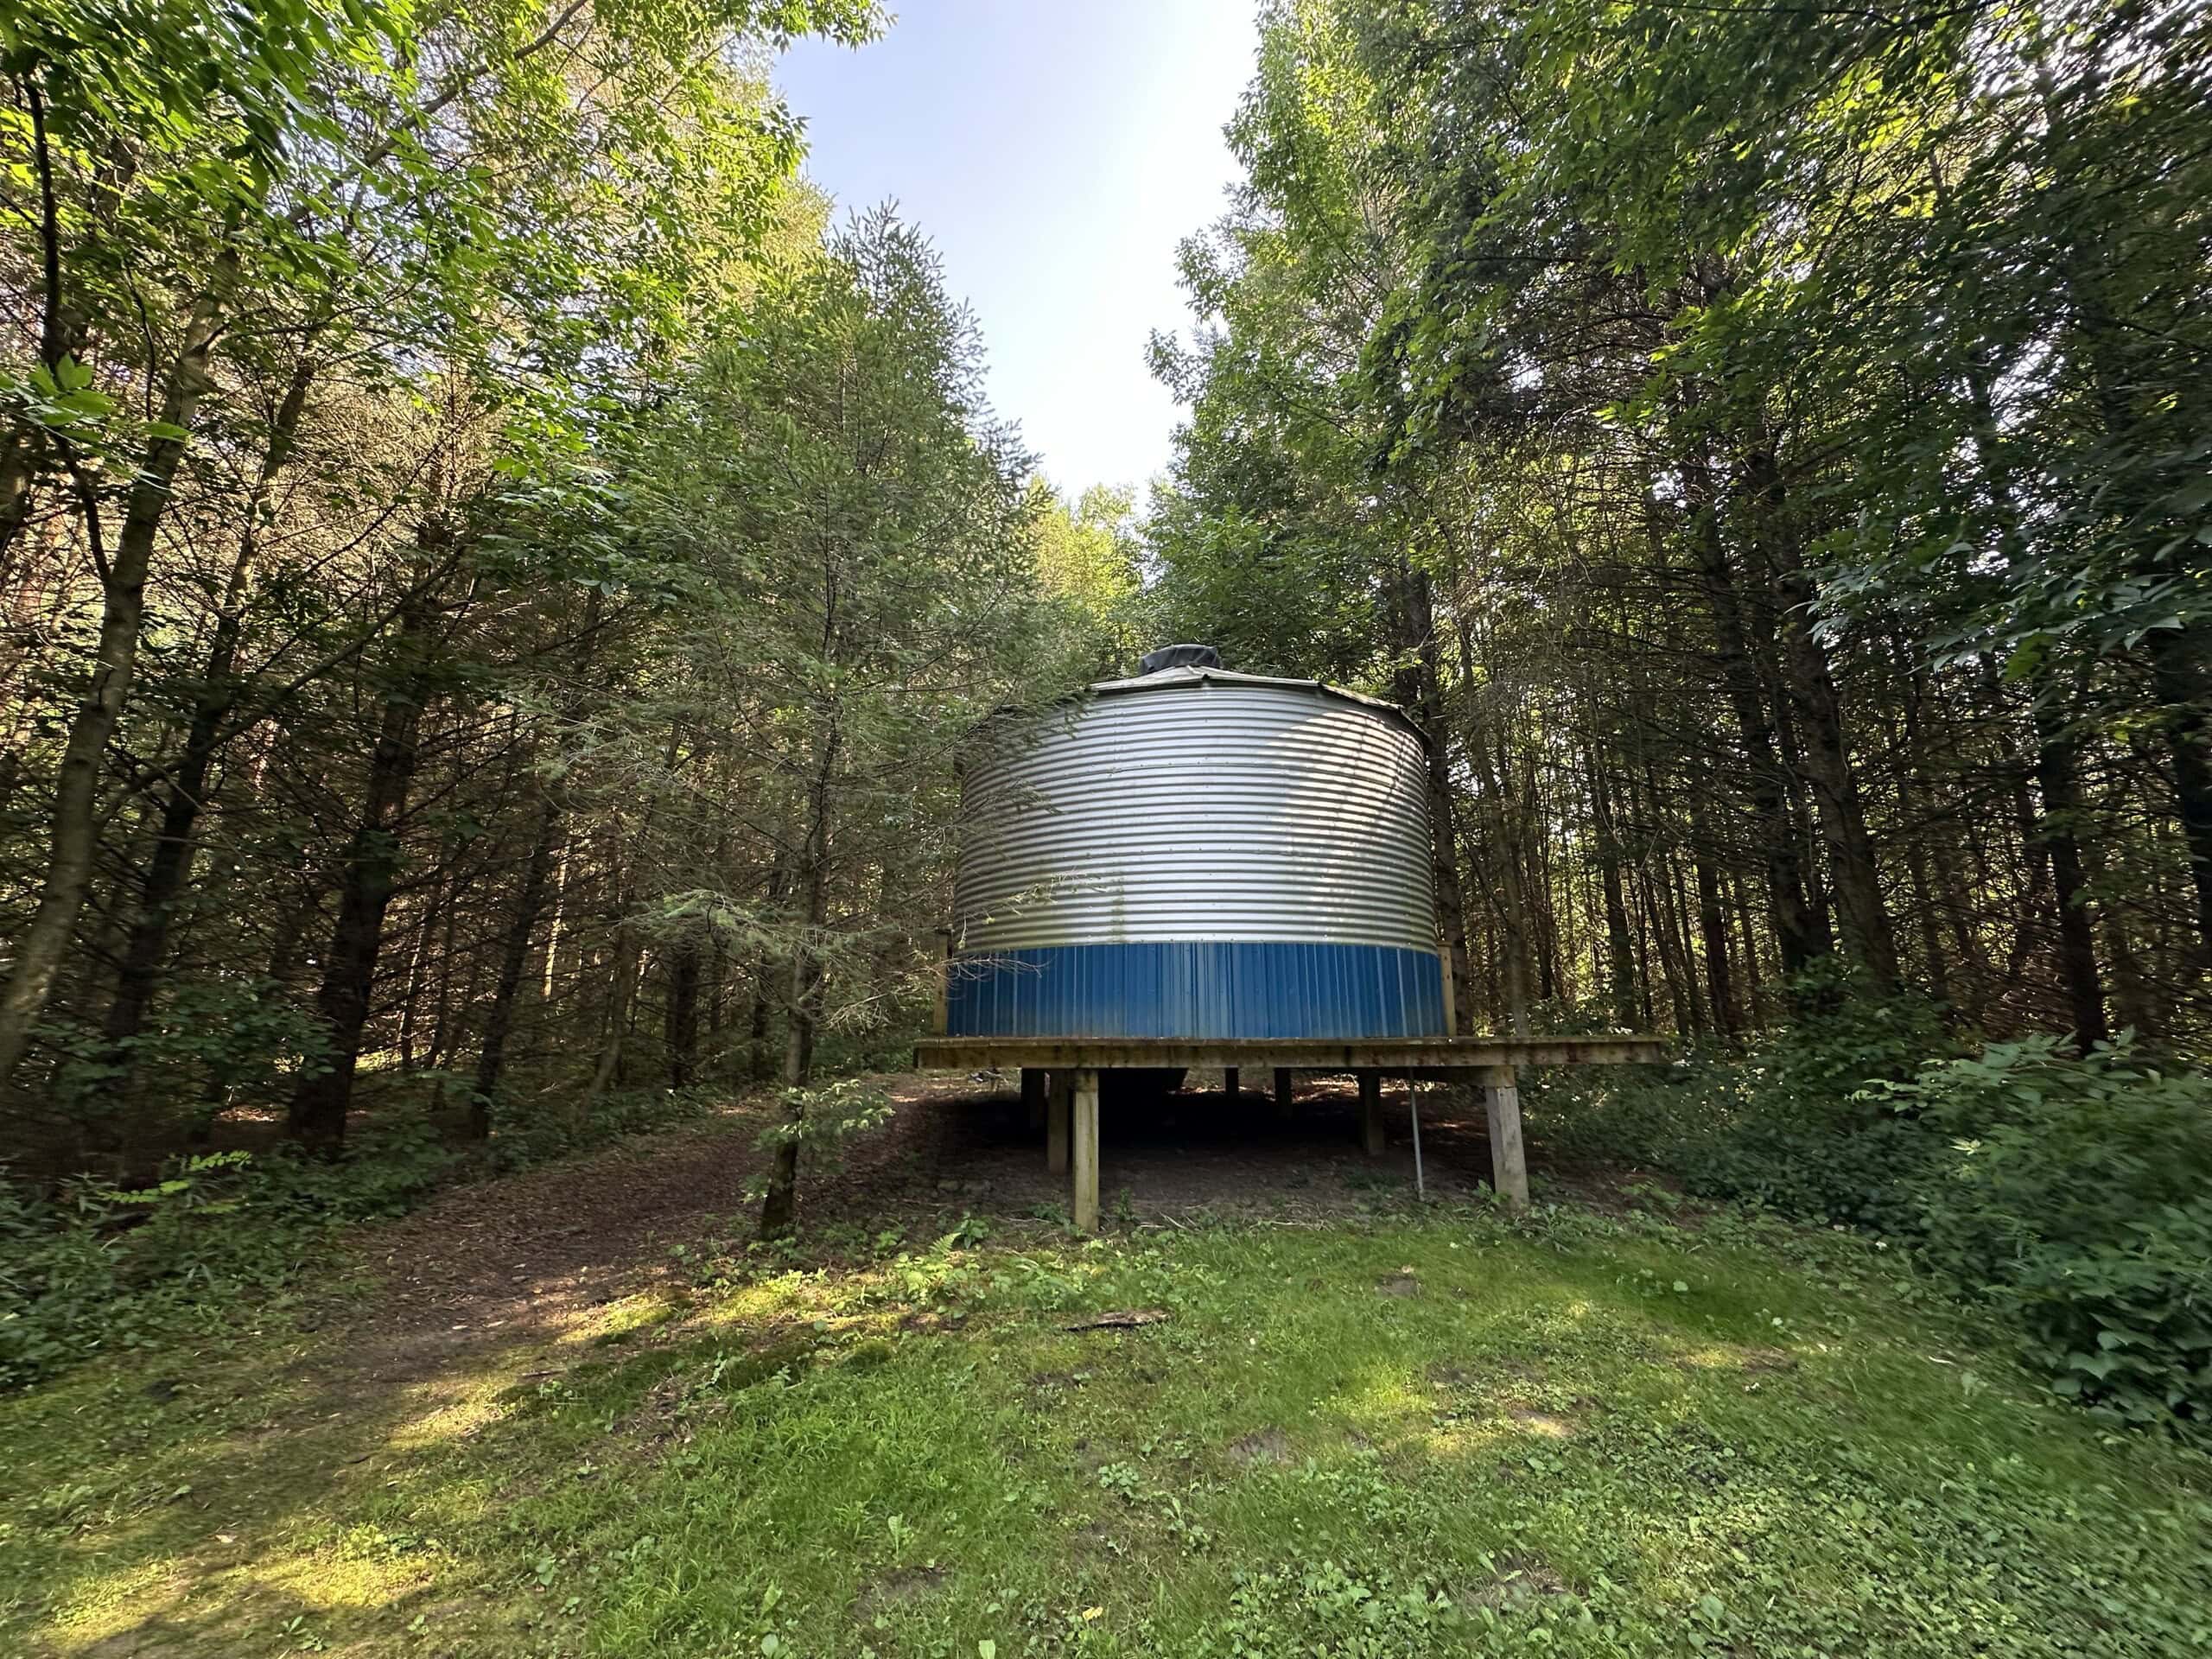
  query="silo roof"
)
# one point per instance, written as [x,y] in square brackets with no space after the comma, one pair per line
[1176,679]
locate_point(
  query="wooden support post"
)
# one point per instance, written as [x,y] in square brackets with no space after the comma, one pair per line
[1056,1119]
[1228,1080]
[1284,1098]
[1085,1207]
[1508,1166]
[1370,1112]
[1032,1095]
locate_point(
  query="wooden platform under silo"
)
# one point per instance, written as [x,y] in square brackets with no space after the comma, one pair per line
[1076,1064]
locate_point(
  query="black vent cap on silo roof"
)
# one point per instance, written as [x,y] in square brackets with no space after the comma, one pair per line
[1167,657]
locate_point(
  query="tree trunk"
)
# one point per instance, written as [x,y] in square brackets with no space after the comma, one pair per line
[44,943]
[1801,933]
[2182,685]
[625,972]
[758,1067]
[1836,799]
[442,1041]
[418,962]
[1541,902]
[2106,340]
[1620,950]
[371,867]
[681,1024]
[18,479]
[779,1204]
[1749,939]
[2133,998]
[171,866]
[1711,927]
[1418,687]
[1508,898]
[514,956]
[2057,775]
[1915,831]
[608,1067]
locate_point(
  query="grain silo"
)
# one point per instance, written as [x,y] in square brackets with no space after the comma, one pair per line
[1194,867]
[1196,853]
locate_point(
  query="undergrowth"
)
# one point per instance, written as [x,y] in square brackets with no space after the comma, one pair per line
[100,1268]
[2072,1195]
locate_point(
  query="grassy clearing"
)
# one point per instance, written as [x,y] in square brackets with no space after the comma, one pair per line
[1437,1434]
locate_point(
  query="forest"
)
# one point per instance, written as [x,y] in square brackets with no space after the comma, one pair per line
[497,573]
[493,576]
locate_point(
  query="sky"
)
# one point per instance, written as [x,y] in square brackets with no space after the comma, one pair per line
[1056,151]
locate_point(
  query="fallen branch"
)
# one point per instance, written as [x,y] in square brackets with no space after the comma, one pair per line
[1121,1319]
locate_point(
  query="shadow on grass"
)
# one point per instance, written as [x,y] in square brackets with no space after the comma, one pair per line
[1367,1427]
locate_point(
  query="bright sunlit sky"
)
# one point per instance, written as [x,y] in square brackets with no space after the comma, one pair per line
[1056,151]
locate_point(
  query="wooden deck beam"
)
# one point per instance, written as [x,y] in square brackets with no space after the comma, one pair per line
[1032,1095]
[1072,1106]
[1427,1057]
[1509,1162]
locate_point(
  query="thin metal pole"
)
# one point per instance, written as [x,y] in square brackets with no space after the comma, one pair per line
[1413,1103]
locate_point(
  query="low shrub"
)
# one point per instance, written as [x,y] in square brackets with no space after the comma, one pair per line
[2072,1194]
[106,1267]
[2077,1194]
[1790,1126]
[523,1139]
[102,1267]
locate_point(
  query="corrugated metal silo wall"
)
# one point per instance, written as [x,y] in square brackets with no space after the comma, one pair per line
[1207,859]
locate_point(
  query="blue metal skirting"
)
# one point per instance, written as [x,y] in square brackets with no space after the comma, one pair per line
[1219,990]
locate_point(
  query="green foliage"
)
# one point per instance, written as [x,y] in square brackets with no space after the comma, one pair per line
[1792,1127]
[213,1044]
[107,1269]
[825,1113]
[2077,1194]
[884,1043]
[1845,1038]
[1788,1125]
[528,1137]
[2068,1193]
[823,1118]
[1087,561]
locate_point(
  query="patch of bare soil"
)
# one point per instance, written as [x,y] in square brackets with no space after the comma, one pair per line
[522,1257]
[1266,1445]
[895,1589]
[1541,1422]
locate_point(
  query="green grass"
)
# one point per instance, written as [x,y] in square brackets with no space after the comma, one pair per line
[1439,1435]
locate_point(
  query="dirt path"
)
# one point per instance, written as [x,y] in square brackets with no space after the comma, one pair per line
[501,1286]
[517,1258]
